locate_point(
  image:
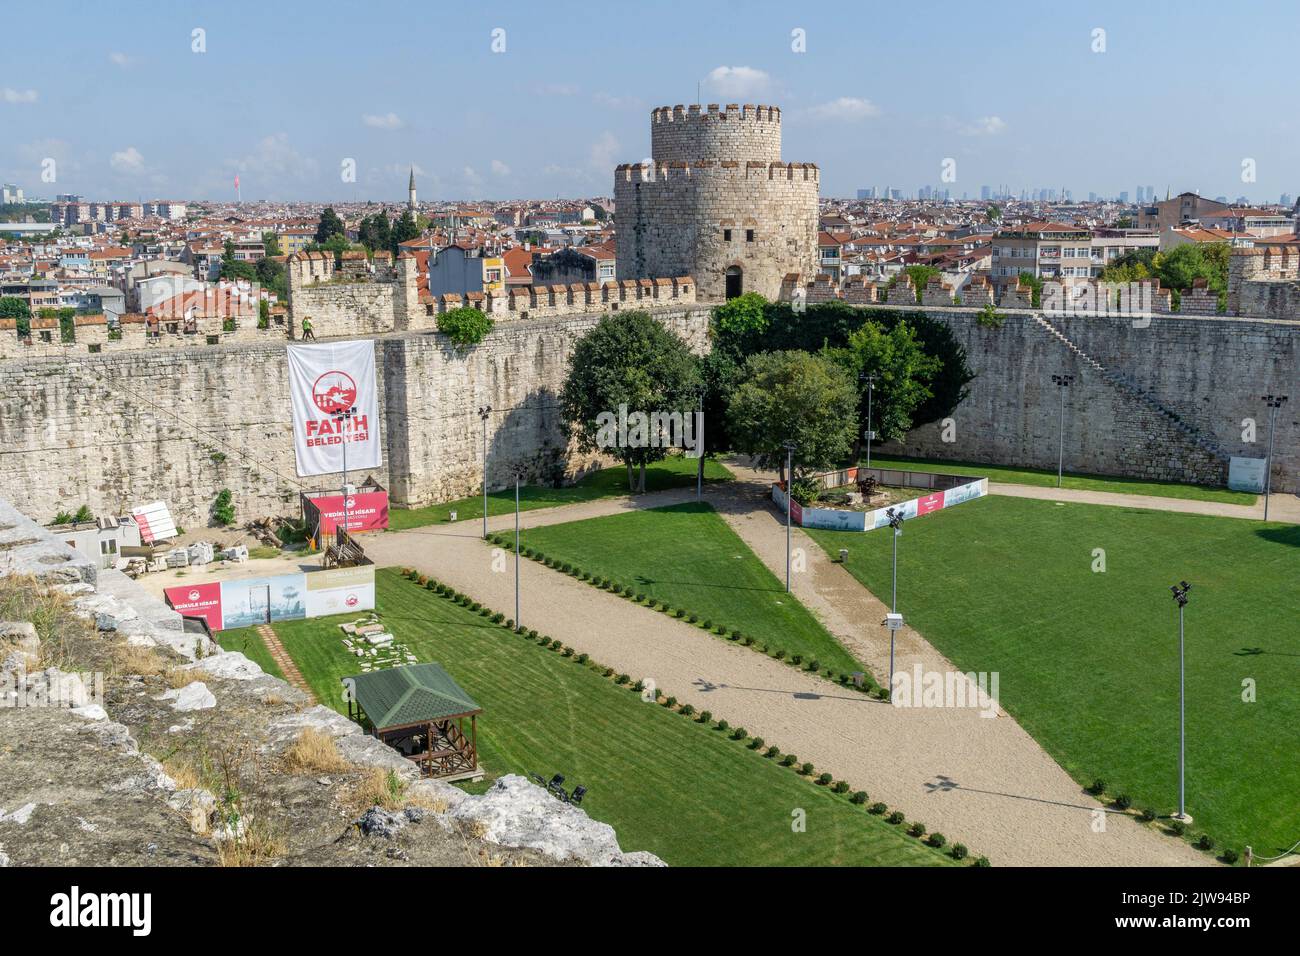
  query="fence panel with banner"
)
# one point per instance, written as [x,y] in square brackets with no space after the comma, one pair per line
[367,510]
[955,490]
[247,602]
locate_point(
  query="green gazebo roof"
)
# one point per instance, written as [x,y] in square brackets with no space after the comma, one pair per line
[415,694]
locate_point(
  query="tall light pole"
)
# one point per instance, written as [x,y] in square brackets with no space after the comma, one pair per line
[789,504]
[894,621]
[699,445]
[343,420]
[484,413]
[1180,595]
[1063,382]
[518,624]
[870,379]
[1274,402]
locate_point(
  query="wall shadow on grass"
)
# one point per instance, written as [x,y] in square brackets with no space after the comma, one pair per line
[1285,534]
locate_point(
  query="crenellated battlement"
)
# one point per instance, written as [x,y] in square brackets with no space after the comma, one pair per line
[734,112]
[337,309]
[578,298]
[709,169]
[689,134]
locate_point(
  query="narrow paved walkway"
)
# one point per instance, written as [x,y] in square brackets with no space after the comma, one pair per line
[282,659]
[1281,507]
[979,780]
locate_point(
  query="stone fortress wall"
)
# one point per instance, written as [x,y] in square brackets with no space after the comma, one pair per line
[1165,399]
[122,428]
[1158,394]
[1263,282]
[717,197]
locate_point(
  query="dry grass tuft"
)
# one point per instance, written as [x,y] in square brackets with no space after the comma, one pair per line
[314,752]
[23,598]
[380,788]
[183,772]
[256,846]
[133,659]
[179,677]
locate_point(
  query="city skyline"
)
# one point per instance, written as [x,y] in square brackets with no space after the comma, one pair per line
[143,106]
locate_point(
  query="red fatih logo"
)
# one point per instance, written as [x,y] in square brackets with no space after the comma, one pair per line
[352,600]
[334,392]
[194,595]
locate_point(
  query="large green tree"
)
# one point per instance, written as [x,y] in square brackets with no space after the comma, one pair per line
[902,374]
[404,230]
[330,225]
[830,324]
[793,397]
[629,365]
[232,268]
[1176,269]
[376,232]
[272,277]
[743,317]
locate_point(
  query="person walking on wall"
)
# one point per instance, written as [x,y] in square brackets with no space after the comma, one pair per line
[307,332]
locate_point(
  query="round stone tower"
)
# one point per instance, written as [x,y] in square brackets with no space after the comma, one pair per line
[716,203]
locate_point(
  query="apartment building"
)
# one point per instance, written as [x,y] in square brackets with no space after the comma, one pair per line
[1185,207]
[1110,244]
[1049,250]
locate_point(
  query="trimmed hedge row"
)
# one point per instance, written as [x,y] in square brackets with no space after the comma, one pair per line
[1122,803]
[705,718]
[869,686]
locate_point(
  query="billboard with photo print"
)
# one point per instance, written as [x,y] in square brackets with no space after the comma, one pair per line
[244,601]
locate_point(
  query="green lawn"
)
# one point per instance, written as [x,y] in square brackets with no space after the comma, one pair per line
[1089,661]
[665,783]
[673,472]
[689,557]
[1043,478]
[247,642]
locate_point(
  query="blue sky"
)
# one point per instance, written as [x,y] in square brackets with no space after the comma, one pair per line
[884,93]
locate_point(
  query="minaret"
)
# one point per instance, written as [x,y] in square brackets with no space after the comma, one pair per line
[410,192]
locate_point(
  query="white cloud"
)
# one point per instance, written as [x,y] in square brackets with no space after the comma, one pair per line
[738,81]
[384,121]
[984,126]
[275,159]
[603,154]
[558,89]
[472,176]
[127,160]
[845,109]
[10,95]
[120,59]
[617,102]
[499,168]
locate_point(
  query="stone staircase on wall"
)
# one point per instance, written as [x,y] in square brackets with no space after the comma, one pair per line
[1126,385]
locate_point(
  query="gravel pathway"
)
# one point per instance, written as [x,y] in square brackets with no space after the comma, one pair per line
[982,781]
[1281,507]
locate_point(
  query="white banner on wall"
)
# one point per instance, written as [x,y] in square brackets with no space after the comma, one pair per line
[324,382]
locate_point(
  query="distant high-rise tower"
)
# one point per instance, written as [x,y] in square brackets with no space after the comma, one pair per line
[410,192]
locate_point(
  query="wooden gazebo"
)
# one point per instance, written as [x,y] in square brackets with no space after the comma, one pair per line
[420,711]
